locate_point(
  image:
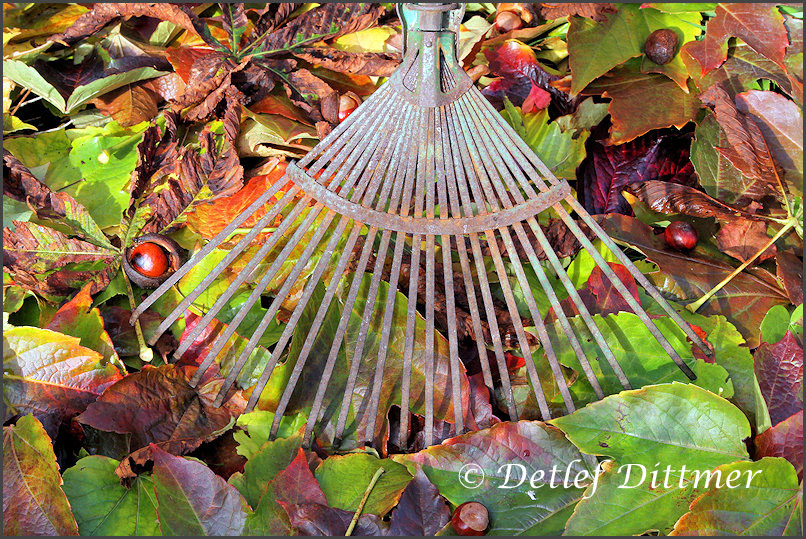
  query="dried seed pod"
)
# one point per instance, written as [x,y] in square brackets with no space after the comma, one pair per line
[470,518]
[660,46]
[151,259]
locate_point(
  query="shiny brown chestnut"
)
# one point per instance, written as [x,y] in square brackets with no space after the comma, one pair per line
[470,519]
[681,235]
[151,259]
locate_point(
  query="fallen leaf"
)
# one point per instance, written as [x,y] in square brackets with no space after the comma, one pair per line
[376,64]
[672,198]
[421,510]
[317,519]
[33,500]
[761,26]
[779,368]
[743,239]
[192,500]
[783,440]
[158,406]
[597,11]
[129,105]
[766,502]
[790,274]
[51,375]
[608,169]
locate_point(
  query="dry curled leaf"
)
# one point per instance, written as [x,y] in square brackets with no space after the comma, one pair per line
[376,64]
[596,11]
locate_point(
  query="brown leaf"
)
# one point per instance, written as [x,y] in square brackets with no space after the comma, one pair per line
[667,197]
[51,264]
[596,11]
[317,519]
[783,440]
[747,150]
[779,368]
[742,239]
[327,21]
[357,63]
[157,405]
[318,99]
[688,275]
[760,25]
[33,500]
[790,273]
[209,72]
[129,105]
[103,14]
[421,510]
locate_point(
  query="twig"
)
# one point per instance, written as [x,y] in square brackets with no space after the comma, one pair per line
[146,353]
[699,303]
[367,492]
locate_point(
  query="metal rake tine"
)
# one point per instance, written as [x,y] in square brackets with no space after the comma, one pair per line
[447,269]
[416,165]
[456,174]
[186,301]
[430,172]
[529,155]
[242,276]
[340,330]
[504,173]
[367,316]
[353,148]
[358,352]
[345,129]
[225,336]
[310,338]
[560,271]
[481,271]
[212,244]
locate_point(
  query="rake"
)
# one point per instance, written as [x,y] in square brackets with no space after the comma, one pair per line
[425,168]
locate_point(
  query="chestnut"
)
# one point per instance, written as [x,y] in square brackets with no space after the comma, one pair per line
[151,259]
[660,46]
[470,518]
[681,235]
[348,102]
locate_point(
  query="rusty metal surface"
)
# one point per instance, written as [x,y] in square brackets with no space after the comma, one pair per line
[428,171]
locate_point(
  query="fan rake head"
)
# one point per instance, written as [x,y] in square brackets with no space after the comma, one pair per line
[425,171]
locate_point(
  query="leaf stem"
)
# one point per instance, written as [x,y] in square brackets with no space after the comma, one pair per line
[693,307]
[146,353]
[351,527]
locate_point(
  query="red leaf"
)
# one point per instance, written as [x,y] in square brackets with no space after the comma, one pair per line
[157,405]
[192,500]
[783,440]
[779,368]
[607,170]
[742,239]
[759,25]
[318,519]
[421,510]
[790,273]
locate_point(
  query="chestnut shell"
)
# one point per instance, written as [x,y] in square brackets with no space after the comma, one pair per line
[660,46]
[172,250]
[470,519]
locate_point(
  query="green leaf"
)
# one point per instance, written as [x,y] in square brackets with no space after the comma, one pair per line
[88,92]
[102,506]
[561,151]
[671,423]
[639,354]
[596,48]
[263,466]
[775,324]
[192,500]
[33,501]
[28,77]
[258,427]
[517,470]
[344,479]
[765,500]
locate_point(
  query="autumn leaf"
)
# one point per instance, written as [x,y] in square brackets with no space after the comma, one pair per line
[761,26]
[33,500]
[158,406]
[779,367]
[51,375]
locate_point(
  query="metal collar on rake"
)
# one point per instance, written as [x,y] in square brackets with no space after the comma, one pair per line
[428,170]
